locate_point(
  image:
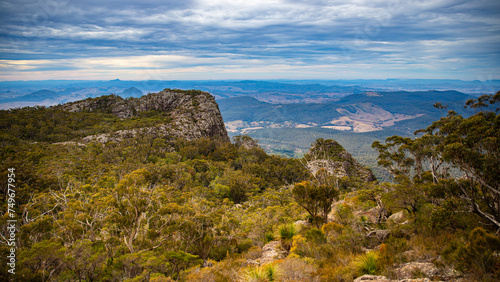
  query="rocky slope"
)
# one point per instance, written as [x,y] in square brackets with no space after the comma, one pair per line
[188,114]
[330,155]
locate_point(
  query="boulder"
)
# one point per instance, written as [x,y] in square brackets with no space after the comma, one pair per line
[398,218]
[427,269]
[270,252]
[380,235]
[372,278]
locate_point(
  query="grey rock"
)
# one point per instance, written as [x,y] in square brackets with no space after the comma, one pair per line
[331,156]
[380,235]
[372,278]
[398,218]
[427,269]
[189,115]
[270,252]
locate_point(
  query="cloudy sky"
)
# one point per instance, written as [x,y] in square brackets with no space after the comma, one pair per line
[249,39]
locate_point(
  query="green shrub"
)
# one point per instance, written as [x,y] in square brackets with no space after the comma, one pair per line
[315,236]
[267,272]
[287,232]
[478,255]
[269,236]
[367,263]
[244,245]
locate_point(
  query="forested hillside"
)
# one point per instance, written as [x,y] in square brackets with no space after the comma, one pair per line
[146,206]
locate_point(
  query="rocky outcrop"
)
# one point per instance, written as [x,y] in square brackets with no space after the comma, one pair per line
[190,114]
[372,278]
[270,252]
[331,156]
[398,218]
[426,269]
[407,272]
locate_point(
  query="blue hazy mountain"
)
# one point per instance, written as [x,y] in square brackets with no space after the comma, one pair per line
[274,91]
[131,92]
[36,96]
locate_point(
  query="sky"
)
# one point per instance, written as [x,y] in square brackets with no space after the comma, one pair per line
[249,39]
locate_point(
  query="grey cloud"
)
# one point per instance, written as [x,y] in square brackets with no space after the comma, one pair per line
[309,32]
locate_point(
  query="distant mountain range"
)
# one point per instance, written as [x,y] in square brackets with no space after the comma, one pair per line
[52,92]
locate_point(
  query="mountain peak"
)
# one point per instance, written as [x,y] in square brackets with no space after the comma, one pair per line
[187,114]
[330,155]
[131,92]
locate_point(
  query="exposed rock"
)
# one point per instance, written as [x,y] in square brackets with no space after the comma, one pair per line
[373,278]
[189,114]
[302,223]
[69,143]
[373,215]
[331,156]
[427,269]
[408,270]
[270,252]
[380,235]
[413,280]
[246,142]
[398,218]
[369,216]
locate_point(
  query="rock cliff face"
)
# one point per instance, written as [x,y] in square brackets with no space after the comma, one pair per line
[330,155]
[190,114]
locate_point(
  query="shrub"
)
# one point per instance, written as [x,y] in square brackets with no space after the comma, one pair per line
[267,272]
[332,228]
[226,270]
[298,246]
[367,263]
[269,236]
[344,214]
[478,256]
[294,269]
[315,236]
[287,232]
[392,251]
[244,245]
[253,253]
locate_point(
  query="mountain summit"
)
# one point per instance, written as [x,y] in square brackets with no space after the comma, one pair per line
[331,156]
[187,114]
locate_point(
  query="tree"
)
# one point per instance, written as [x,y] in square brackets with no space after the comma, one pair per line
[235,185]
[42,262]
[471,144]
[317,196]
[85,260]
[142,214]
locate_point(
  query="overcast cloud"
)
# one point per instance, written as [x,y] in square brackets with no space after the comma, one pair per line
[219,39]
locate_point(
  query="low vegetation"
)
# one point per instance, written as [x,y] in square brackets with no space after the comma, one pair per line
[150,209]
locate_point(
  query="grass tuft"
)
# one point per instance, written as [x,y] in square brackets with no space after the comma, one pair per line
[367,263]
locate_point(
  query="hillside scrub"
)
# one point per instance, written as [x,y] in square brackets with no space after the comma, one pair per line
[160,209]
